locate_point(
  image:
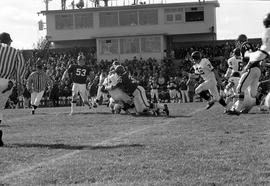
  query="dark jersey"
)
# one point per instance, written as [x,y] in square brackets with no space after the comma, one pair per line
[244,47]
[79,73]
[127,85]
[171,85]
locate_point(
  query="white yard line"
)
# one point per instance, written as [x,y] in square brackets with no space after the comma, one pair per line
[104,142]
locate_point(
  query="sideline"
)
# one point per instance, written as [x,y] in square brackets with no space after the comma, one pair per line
[104,142]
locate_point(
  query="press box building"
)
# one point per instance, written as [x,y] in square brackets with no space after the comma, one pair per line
[122,32]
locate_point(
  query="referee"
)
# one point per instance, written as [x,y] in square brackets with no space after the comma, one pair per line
[36,84]
[12,68]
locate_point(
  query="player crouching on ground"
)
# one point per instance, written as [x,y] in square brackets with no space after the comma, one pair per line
[203,67]
[78,74]
[119,100]
[140,101]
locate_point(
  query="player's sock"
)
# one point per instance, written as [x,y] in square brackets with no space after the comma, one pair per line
[34,107]
[73,103]
[1,142]
[204,95]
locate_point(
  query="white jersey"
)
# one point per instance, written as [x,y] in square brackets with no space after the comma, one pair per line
[264,50]
[266,41]
[116,93]
[204,69]
[235,64]
[111,80]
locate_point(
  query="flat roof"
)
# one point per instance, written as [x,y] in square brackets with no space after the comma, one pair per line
[109,8]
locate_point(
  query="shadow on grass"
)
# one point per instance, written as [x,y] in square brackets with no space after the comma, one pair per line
[163,116]
[86,113]
[124,114]
[4,126]
[70,147]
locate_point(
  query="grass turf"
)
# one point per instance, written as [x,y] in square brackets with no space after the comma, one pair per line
[93,147]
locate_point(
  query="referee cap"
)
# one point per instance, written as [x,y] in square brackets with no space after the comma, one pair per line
[5,38]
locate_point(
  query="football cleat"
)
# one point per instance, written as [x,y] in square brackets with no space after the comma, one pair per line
[233,112]
[33,112]
[1,142]
[264,108]
[225,111]
[210,104]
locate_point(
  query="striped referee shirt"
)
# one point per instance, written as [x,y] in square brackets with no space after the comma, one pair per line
[12,64]
[38,81]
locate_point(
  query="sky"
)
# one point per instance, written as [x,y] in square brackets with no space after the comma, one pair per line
[20,19]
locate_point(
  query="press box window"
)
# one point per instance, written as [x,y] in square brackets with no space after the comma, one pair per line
[194,16]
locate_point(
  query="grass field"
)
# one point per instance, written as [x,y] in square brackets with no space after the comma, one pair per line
[93,147]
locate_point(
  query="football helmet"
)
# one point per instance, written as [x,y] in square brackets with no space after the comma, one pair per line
[266,20]
[196,55]
[120,70]
[237,52]
[81,60]
[242,38]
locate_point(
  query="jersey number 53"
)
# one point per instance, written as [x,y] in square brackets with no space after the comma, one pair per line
[80,72]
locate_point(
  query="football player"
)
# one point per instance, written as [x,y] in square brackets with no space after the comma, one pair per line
[141,103]
[118,97]
[78,73]
[203,67]
[235,63]
[252,72]
[230,88]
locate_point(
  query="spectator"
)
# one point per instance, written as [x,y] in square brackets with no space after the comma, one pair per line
[26,97]
[184,90]
[54,94]
[191,83]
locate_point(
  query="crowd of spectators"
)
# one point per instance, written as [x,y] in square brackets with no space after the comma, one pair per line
[175,67]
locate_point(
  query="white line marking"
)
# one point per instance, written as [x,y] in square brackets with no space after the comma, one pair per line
[51,161]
